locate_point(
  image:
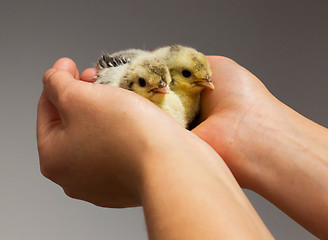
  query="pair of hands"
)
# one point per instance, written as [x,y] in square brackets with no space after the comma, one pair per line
[96,140]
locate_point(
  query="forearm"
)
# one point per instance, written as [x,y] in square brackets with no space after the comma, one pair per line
[289,167]
[193,195]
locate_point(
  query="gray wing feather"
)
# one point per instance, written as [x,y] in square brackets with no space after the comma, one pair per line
[107,61]
[118,58]
[110,67]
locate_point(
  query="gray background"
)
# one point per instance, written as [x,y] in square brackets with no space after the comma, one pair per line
[284,43]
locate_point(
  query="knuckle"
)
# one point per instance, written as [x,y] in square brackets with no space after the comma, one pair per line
[50,78]
[64,91]
[48,75]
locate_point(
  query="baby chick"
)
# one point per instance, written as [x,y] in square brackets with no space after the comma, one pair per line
[190,72]
[143,73]
[110,68]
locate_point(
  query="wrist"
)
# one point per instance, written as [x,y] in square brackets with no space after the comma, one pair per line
[190,192]
[188,151]
[276,143]
[286,163]
[259,140]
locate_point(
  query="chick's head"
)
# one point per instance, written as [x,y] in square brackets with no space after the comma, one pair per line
[190,69]
[150,78]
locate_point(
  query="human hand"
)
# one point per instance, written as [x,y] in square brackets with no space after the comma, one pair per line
[199,188]
[93,140]
[233,115]
[270,148]
[238,104]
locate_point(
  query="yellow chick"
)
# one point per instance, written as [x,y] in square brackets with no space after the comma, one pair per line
[143,73]
[190,72]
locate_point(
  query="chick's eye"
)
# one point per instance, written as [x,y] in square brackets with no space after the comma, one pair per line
[186,73]
[142,82]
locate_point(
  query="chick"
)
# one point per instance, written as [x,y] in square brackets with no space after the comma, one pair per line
[111,67]
[190,72]
[144,74]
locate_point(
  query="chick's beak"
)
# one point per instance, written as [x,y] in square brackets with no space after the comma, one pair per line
[205,82]
[162,90]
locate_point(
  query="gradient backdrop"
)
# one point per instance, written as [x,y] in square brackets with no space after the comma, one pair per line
[284,43]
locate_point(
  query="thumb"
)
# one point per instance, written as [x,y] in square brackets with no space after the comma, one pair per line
[68,65]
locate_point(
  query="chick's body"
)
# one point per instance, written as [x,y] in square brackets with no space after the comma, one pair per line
[172,104]
[190,72]
[143,73]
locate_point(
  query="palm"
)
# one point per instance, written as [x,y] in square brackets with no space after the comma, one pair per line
[238,98]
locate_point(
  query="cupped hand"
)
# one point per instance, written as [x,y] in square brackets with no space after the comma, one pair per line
[232,116]
[270,148]
[93,140]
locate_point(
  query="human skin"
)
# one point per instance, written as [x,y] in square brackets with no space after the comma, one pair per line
[270,148]
[113,148]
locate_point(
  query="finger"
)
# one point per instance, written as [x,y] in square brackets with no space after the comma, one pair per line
[47,116]
[89,75]
[56,84]
[68,65]
[77,75]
